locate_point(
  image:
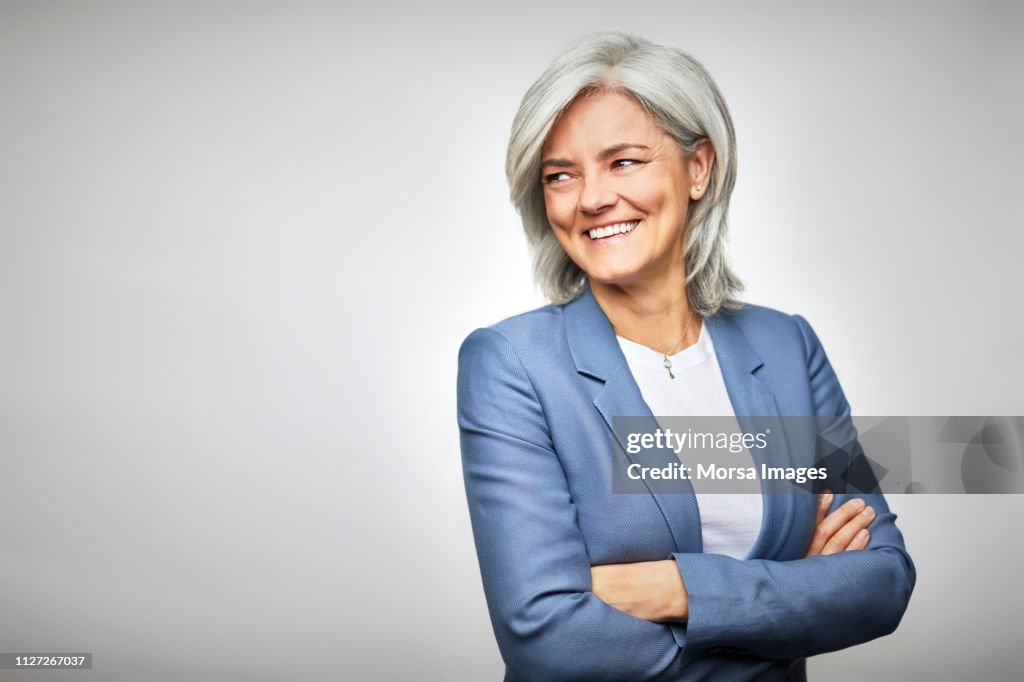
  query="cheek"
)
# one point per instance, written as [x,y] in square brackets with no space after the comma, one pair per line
[649,195]
[656,200]
[560,210]
[641,193]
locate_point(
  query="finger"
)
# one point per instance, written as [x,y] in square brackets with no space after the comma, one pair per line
[828,526]
[831,524]
[845,535]
[860,540]
[824,502]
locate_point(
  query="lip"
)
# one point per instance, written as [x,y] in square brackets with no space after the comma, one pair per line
[611,222]
[615,238]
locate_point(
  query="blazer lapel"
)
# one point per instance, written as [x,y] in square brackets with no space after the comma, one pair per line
[756,409]
[596,353]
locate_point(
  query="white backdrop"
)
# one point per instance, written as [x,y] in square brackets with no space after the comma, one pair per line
[240,244]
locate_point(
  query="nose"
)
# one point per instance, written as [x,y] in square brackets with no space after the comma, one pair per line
[596,196]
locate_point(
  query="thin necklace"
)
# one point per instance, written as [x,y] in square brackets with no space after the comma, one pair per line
[667,362]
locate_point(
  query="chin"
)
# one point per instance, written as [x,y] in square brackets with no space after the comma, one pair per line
[612,276]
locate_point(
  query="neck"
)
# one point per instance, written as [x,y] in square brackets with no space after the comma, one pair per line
[652,314]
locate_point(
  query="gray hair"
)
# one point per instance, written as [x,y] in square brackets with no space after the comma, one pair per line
[679,93]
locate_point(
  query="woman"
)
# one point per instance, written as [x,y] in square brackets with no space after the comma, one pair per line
[621,162]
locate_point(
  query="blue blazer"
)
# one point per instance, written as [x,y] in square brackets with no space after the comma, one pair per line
[536,397]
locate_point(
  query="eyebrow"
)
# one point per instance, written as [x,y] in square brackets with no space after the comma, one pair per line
[603,155]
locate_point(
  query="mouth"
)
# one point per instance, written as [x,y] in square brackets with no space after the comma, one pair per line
[608,231]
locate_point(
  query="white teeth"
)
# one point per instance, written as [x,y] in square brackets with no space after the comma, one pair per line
[617,228]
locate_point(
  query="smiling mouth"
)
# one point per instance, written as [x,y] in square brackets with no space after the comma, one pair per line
[599,233]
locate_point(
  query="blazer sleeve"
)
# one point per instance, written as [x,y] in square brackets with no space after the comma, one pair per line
[789,609]
[533,559]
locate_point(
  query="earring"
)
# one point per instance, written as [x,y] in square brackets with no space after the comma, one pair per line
[697,188]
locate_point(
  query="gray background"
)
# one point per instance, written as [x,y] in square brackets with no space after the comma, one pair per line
[240,244]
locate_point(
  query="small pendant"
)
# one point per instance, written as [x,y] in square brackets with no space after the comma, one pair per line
[668,366]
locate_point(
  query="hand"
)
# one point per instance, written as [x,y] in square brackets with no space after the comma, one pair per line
[844,529]
[651,590]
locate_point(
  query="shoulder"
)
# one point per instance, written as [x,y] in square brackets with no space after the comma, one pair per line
[526,354]
[771,332]
[795,364]
[520,333]
[505,371]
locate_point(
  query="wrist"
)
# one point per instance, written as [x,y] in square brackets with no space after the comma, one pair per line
[676,603]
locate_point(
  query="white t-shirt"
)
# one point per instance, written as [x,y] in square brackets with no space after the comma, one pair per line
[730,522]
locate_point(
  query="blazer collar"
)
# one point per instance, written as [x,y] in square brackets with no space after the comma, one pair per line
[596,353]
[592,343]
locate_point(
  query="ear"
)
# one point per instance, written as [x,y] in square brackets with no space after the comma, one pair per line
[699,165]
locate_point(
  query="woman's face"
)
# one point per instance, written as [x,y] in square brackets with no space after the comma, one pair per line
[617,189]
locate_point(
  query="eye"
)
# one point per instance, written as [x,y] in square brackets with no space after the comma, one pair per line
[553,178]
[625,163]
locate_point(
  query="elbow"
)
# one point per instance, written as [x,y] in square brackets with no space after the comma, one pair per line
[879,596]
[536,641]
[573,637]
[903,587]
[892,600]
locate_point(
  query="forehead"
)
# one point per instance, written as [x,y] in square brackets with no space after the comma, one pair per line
[597,120]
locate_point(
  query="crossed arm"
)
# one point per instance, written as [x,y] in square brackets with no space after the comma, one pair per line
[557,617]
[654,590]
